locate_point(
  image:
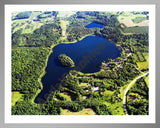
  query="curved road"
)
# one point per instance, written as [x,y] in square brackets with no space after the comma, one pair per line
[125,92]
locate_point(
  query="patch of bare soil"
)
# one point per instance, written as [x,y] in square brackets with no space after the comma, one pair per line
[12,93]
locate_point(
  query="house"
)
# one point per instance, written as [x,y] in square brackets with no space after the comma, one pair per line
[84,97]
[95,88]
[127,50]
[86,90]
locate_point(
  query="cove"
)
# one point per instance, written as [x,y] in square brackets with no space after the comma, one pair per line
[94,25]
[92,49]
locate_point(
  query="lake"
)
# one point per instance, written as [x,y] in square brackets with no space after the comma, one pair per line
[94,25]
[88,54]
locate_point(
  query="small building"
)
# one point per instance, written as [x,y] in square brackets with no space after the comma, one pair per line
[84,97]
[95,88]
[127,50]
[86,90]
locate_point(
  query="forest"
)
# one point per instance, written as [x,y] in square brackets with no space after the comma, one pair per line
[101,91]
[66,60]
[137,103]
[27,65]
[77,29]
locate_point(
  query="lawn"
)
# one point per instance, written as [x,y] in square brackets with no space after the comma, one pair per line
[66,96]
[15,97]
[64,27]
[87,111]
[107,92]
[117,108]
[84,84]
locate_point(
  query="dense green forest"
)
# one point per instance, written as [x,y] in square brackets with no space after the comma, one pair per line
[101,91]
[65,60]
[27,65]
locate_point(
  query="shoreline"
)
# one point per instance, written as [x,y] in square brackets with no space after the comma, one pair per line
[42,74]
[46,62]
[67,42]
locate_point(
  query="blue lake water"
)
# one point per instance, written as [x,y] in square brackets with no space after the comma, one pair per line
[88,54]
[94,25]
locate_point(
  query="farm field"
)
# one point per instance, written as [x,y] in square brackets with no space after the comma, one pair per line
[135,30]
[131,20]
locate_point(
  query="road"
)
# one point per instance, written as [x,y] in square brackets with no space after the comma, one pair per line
[125,92]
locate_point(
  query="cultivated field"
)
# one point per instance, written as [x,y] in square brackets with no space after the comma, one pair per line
[131,20]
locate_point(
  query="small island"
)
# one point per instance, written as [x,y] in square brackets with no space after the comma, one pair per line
[65,60]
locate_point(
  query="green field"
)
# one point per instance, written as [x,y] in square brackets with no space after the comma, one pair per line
[65,14]
[64,24]
[66,96]
[30,24]
[108,92]
[147,80]
[135,30]
[145,64]
[16,97]
[129,15]
[84,85]
[27,25]
[117,109]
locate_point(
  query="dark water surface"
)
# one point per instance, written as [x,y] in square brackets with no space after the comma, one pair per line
[94,25]
[88,54]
